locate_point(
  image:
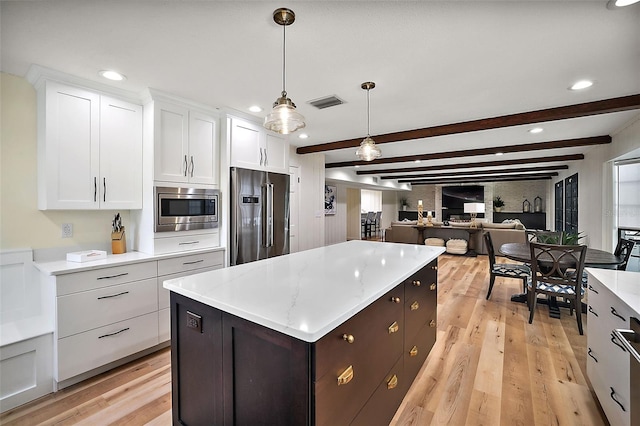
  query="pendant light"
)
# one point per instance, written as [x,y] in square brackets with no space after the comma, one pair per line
[368,151]
[284,118]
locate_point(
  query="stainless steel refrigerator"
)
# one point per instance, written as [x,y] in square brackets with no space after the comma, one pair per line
[259,215]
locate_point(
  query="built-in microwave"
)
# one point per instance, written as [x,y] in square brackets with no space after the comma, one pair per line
[184,209]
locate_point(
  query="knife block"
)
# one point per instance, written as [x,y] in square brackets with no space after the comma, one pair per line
[118,242]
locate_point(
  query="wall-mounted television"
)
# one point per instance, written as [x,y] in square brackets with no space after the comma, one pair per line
[454,197]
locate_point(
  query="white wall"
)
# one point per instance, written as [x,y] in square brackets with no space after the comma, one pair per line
[335,225]
[595,185]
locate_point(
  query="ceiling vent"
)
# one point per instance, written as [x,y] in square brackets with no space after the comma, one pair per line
[326,102]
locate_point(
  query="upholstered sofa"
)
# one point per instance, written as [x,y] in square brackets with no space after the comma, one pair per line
[501,233]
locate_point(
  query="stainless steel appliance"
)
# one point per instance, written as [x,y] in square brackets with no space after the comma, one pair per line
[259,215]
[184,209]
[631,341]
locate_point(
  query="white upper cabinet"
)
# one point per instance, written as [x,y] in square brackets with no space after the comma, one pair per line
[186,145]
[89,150]
[253,147]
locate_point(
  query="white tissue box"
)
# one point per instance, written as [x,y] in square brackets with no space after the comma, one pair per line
[86,256]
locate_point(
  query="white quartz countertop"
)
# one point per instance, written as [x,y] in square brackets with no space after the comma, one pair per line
[61,267]
[624,284]
[307,294]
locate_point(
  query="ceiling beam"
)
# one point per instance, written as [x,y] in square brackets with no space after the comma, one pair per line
[605,106]
[563,158]
[510,149]
[540,176]
[481,172]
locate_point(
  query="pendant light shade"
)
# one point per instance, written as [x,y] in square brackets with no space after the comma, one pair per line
[368,150]
[284,118]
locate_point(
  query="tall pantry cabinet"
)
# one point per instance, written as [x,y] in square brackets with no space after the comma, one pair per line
[89,149]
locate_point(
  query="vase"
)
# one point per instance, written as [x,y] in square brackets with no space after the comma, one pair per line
[497,209]
[404,208]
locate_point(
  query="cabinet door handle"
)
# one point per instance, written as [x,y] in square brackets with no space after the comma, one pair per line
[416,283]
[593,289]
[113,276]
[435,268]
[261,156]
[346,376]
[185,166]
[432,323]
[395,299]
[592,311]
[266,159]
[188,243]
[615,313]
[591,355]
[415,306]
[413,351]
[613,392]
[113,334]
[348,338]
[95,189]
[194,262]
[192,166]
[615,342]
[113,295]
[393,328]
[393,382]
[433,286]
[104,189]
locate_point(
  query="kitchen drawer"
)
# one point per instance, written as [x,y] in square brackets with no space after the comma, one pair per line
[416,350]
[605,308]
[85,351]
[96,278]
[86,310]
[420,307]
[371,355]
[368,328]
[603,389]
[422,285]
[183,243]
[190,262]
[381,407]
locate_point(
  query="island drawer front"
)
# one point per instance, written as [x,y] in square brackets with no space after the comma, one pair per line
[91,309]
[82,352]
[418,311]
[190,262]
[372,354]
[368,328]
[381,407]
[423,284]
[606,309]
[615,414]
[416,350]
[96,278]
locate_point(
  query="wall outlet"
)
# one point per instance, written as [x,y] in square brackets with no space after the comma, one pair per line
[67,230]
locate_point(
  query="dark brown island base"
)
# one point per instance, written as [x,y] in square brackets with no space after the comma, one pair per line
[230,371]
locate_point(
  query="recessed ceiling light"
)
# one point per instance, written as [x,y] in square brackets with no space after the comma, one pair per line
[112,75]
[582,84]
[416,161]
[303,136]
[614,4]
[255,108]
[356,166]
[499,153]
[536,130]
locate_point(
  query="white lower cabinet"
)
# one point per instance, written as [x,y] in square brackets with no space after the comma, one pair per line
[607,360]
[109,313]
[177,267]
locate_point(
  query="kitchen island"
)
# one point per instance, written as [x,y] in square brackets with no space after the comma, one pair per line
[333,335]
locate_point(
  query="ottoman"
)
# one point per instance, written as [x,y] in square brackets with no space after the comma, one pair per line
[456,246]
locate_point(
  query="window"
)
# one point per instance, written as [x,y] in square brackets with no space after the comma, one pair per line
[559,206]
[571,204]
[628,194]
[370,201]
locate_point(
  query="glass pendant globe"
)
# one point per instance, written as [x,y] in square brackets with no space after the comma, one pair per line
[368,151]
[284,119]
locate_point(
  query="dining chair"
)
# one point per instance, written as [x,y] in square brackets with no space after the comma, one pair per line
[623,249]
[366,225]
[556,271]
[377,222]
[506,270]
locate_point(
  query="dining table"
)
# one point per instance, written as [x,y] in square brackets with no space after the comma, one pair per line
[594,258]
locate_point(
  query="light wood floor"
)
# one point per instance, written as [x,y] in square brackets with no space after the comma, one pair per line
[488,367]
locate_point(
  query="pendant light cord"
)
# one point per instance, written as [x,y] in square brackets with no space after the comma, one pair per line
[284,59]
[368,114]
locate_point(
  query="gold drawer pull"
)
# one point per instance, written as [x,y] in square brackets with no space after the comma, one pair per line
[432,323]
[413,351]
[395,299]
[393,327]
[393,382]
[432,286]
[416,283]
[415,306]
[348,337]
[435,268]
[346,376]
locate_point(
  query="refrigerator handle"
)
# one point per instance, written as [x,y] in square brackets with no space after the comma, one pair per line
[267,215]
[234,217]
